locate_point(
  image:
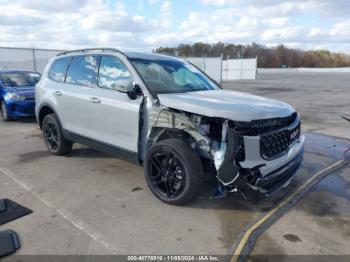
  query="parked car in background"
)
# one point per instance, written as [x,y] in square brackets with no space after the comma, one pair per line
[17,93]
[166,114]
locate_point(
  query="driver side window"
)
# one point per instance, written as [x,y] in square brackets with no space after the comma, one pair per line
[111,71]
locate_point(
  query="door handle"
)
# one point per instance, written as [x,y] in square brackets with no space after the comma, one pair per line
[58,93]
[95,100]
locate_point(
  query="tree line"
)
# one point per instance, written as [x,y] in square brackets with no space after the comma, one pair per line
[268,57]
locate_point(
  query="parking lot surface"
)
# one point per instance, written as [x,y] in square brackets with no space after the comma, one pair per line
[91,203]
[318,225]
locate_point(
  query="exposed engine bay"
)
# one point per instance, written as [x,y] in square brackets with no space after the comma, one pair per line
[260,154]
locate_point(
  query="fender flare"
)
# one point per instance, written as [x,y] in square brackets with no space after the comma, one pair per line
[53,110]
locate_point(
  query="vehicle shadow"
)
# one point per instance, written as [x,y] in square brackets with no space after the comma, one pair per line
[245,200]
[76,153]
[87,152]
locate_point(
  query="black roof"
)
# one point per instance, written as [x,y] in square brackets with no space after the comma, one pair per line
[150,56]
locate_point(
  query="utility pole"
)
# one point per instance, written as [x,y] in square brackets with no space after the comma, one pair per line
[34,60]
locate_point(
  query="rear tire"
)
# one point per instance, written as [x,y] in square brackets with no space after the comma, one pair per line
[3,111]
[53,137]
[173,171]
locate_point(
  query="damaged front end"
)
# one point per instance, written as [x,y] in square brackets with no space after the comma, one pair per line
[262,155]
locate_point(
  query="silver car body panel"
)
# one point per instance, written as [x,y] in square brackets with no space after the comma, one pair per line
[232,105]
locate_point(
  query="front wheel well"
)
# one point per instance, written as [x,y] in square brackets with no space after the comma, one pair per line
[159,134]
[44,111]
[174,133]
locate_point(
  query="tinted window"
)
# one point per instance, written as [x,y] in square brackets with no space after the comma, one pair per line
[58,70]
[111,70]
[18,79]
[82,70]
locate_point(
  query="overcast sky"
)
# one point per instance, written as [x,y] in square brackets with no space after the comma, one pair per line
[147,24]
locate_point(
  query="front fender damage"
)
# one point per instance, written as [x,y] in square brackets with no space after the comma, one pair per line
[225,147]
[210,137]
[225,157]
[169,122]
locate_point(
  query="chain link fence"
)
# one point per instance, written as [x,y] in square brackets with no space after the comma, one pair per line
[30,59]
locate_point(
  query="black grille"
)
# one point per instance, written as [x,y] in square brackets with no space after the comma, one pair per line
[272,145]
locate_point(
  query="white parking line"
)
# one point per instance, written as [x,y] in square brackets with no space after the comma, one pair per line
[85,227]
[11,175]
[65,214]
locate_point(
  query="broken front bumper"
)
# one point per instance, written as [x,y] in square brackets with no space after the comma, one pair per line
[267,176]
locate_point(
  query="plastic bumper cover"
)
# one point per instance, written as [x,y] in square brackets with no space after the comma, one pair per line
[20,108]
[268,176]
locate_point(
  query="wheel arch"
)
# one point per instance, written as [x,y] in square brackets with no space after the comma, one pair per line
[161,133]
[195,140]
[45,110]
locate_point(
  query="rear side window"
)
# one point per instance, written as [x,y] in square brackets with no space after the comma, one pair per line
[112,70]
[58,70]
[82,70]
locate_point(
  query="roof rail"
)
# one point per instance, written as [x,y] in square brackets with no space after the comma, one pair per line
[169,54]
[91,49]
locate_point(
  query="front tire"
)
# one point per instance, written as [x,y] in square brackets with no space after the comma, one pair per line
[54,140]
[173,171]
[3,111]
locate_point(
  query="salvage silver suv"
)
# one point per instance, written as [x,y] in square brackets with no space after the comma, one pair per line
[166,114]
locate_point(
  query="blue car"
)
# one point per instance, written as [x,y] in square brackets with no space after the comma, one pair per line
[17,90]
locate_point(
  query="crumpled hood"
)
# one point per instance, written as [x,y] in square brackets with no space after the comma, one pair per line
[27,91]
[227,104]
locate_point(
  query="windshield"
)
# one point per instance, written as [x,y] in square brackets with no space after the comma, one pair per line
[19,79]
[168,76]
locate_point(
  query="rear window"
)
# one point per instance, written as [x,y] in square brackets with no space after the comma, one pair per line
[82,71]
[18,79]
[58,70]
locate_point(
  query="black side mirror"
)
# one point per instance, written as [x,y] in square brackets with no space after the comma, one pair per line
[129,87]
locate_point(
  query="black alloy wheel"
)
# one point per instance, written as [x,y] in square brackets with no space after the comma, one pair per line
[167,174]
[53,137]
[173,171]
